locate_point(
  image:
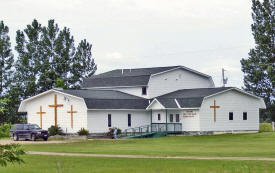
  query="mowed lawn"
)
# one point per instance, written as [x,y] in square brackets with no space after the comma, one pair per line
[248,145]
[62,164]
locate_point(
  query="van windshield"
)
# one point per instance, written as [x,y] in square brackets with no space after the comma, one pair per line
[34,126]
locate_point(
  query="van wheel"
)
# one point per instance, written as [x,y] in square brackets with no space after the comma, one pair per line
[15,137]
[33,137]
[45,139]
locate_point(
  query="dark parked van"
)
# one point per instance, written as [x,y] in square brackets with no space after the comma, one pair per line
[28,131]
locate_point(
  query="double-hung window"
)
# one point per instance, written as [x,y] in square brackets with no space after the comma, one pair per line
[109,120]
[177,118]
[230,115]
[129,120]
[171,117]
[244,115]
[159,117]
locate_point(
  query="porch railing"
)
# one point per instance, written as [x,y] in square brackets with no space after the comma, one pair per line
[169,127]
[154,127]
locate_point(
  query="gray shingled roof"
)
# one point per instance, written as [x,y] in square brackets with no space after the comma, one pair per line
[116,81]
[129,77]
[133,72]
[99,94]
[188,98]
[116,103]
[109,99]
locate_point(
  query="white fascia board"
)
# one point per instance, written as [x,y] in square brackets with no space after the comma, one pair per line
[190,108]
[116,109]
[44,93]
[110,87]
[236,89]
[155,100]
[139,109]
[182,67]
[182,108]
[177,103]
[263,105]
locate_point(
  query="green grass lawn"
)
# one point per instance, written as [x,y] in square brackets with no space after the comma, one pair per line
[61,164]
[251,145]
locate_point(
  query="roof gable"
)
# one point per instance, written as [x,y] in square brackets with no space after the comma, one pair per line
[131,77]
[155,104]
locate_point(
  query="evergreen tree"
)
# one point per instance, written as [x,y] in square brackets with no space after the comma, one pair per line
[48,53]
[6,70]
[29,52]
[259,67]
[83,66]
[6,59]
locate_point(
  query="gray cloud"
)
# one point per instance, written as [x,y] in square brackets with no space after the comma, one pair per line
[204,35]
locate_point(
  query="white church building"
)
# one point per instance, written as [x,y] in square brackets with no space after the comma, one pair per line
[161,97]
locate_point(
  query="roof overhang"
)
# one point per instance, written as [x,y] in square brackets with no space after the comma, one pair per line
[155,101]
[185,68]
[263,106]
[23,102]
[111,87]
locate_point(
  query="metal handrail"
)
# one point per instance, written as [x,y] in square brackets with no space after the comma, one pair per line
[154,127]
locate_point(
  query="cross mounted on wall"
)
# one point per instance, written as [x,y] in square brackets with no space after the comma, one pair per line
[41,116]
[55,105]
[71,112]
[214,107]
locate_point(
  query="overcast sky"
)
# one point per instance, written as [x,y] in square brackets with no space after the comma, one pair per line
[204,35]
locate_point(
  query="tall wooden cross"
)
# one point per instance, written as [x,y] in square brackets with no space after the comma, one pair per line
[71,112]
[41,116]
[214,107]
[55,105]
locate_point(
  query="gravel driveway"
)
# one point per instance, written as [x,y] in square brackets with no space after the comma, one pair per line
[10,141]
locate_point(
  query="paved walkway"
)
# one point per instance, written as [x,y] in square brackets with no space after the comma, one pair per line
[151,157]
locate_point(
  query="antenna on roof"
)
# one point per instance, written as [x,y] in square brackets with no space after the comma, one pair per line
[121,71]
[224,79]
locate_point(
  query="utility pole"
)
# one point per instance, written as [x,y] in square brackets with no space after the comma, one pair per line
[224,79]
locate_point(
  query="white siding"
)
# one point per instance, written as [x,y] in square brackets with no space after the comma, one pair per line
[98,119]
[137,91]
[190,120]
[174,80]
[63,118]
[190,123]
[230,101]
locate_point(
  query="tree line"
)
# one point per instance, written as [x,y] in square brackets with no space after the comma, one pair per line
[46,57]
[259,67]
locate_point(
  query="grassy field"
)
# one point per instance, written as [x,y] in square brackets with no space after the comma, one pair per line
[248,145]
[61,164]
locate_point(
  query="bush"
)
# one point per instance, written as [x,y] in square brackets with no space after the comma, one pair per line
[265,127]
[5,130]
[83,132]
[55,130]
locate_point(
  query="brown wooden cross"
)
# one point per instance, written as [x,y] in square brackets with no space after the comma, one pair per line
[41,116]
[215,107]
[55,109]
[71,112]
